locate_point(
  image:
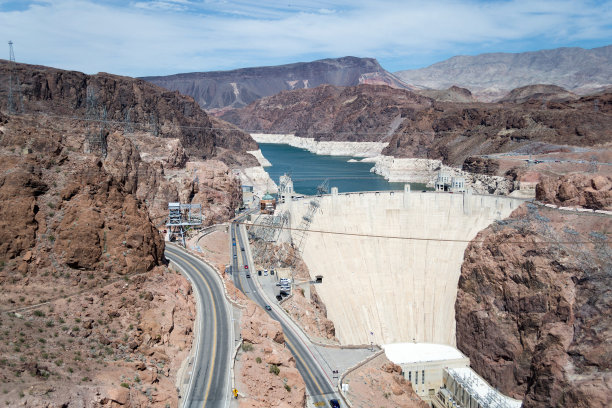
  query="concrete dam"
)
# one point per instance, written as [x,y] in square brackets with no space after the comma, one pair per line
[387,288]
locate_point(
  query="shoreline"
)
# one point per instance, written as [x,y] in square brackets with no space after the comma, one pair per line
[323,148]
[392,169]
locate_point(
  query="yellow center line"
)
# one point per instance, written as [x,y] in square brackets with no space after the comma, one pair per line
[214,351]
[299,356]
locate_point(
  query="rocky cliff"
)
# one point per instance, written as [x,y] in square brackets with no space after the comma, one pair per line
[533,305]
[582,190]
[415,126]
[491,76]
[126,103]
[90,314]
[238,88]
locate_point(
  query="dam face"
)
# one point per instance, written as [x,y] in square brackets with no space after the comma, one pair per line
[389,290]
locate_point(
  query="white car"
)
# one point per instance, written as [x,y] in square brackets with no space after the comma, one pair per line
[265,272]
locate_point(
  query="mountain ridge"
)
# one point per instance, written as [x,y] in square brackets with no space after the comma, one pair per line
[217,90]
[492,75]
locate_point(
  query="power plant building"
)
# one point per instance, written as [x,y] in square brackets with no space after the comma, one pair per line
[446,182]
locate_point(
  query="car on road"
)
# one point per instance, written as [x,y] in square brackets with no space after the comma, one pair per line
[265,272]
[242,249]
[268,307]
[246,266]
[334,403]
[248,275]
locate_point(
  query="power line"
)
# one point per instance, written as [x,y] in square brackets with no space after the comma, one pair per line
[355,234]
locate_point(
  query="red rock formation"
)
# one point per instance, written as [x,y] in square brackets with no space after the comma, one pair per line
[77,242]
[151,108]
[532,307]
[417,126]
[583,190]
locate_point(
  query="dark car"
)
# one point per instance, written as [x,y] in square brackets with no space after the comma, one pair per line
[248,275]
[334,403]
[268,307]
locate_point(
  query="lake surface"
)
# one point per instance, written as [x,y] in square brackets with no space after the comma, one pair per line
[308,170]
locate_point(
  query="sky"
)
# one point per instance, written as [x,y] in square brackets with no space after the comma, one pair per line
[161,37]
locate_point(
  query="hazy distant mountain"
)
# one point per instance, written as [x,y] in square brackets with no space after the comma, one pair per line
[237,88]
[491,76]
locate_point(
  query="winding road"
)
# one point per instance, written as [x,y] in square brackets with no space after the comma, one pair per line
[318,384]
[209,382]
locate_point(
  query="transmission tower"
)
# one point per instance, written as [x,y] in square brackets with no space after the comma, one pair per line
[128,129]
[13,107]
[96,135]
[302,230]
[154,124]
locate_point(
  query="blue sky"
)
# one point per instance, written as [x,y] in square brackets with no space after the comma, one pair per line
[159,37]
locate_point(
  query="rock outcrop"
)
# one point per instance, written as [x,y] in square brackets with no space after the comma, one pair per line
[380,383]
[539,92]
[127,103]
[533,305]
[98,319]
[577,190]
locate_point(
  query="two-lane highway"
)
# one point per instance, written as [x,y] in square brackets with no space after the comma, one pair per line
[209,384]
[319,385]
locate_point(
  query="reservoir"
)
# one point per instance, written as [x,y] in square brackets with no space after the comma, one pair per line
[308,170]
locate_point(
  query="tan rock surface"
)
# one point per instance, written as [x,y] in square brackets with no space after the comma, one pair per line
[379,383]
[533,306]
[592,191]
[76,242]
[264,350]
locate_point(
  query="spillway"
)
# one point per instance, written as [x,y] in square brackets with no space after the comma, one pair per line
[388,290]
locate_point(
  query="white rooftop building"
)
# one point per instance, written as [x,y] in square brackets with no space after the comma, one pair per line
[423,364]
[441,375]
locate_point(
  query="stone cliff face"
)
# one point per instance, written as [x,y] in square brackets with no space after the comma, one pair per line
[418,127]
[588,191]
[238,88]
[150,108]
[107,323]
[491,76]
[532,307]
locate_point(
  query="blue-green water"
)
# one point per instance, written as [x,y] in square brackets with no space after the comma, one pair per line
[308,170]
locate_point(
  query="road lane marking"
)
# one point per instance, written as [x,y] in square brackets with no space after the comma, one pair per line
[214,351]
[290,344]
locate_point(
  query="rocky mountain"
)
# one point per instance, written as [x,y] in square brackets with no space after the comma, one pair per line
[539,92]
[237,88]
[492,75]
[120,99]
[533,303]
[416,126]
[94,315]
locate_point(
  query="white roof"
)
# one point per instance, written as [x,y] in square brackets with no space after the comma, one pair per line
[481,390]
[407,353]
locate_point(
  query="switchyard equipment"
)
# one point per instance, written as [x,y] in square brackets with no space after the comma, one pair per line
[181,217]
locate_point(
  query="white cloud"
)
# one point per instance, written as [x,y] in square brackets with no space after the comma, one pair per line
[170,36]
